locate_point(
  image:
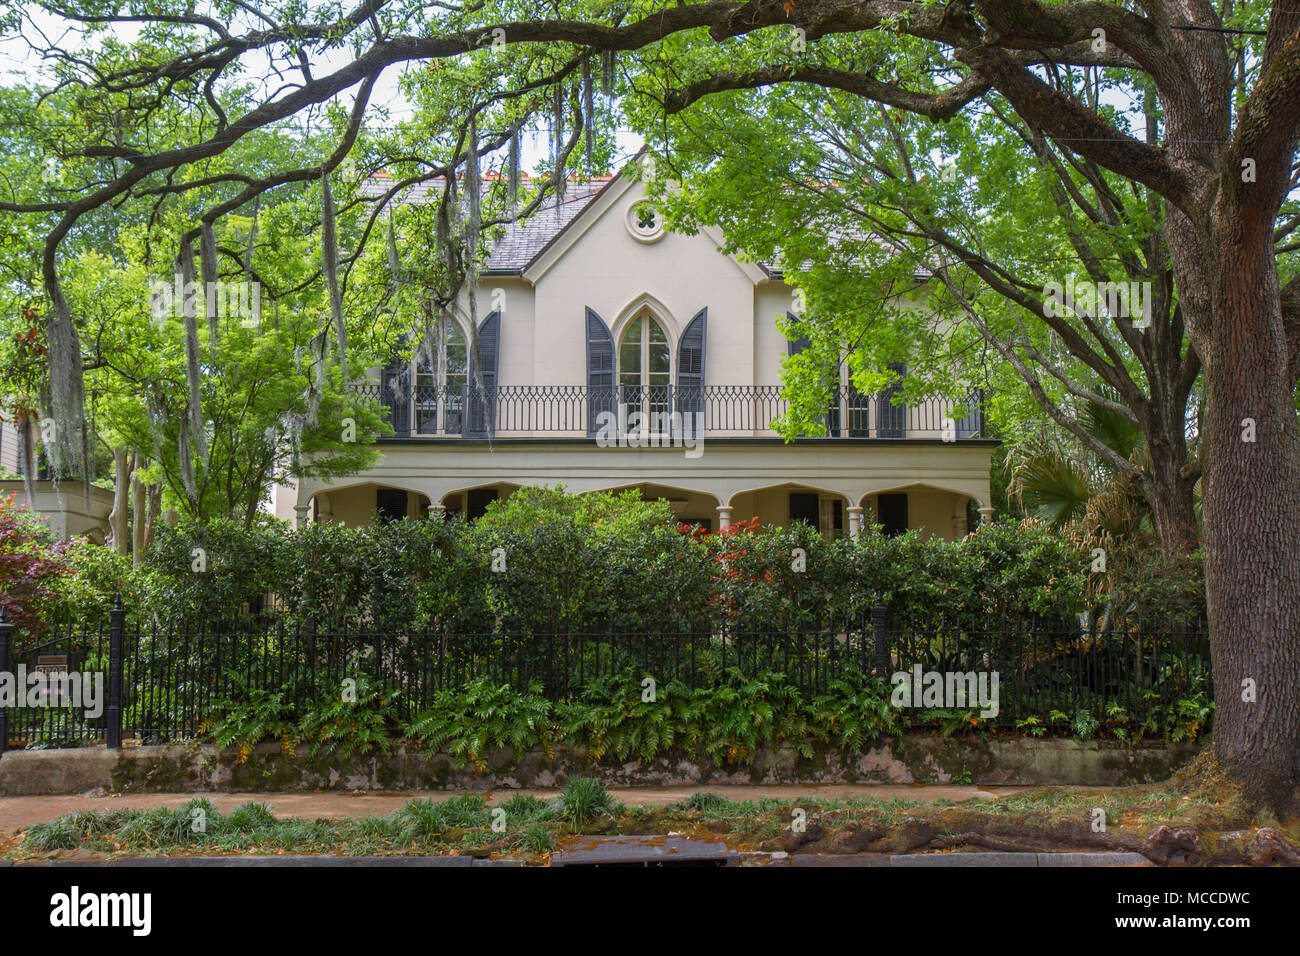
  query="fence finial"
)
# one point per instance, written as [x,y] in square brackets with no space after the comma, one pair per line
[117,601]
[3,618]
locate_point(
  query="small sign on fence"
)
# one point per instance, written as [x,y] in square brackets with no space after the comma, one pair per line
[52,667]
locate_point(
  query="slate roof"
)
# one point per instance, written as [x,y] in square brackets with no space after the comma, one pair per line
[522,242]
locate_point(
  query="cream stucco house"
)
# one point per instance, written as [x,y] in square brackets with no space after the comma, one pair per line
[616,355]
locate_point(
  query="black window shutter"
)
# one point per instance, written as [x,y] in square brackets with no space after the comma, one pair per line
[600,371]
[892,418]
[795,346]
[690,370]
[476,502]
[480,421]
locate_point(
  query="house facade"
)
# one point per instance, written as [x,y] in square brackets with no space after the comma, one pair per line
[616,354]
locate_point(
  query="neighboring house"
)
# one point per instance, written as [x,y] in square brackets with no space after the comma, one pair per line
[8,448]
[62,504]
[615,355]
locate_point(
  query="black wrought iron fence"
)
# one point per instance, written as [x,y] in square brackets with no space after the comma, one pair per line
[160,679]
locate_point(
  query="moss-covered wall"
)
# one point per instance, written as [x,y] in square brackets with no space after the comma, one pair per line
[917,759]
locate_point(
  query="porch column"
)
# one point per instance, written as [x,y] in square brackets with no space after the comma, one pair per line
[300,516]
[986,515]
[724,516]
[855,522]
[437,509]
[959,528]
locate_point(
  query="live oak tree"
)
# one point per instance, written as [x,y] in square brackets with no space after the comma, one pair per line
[930,244]
[1220,159]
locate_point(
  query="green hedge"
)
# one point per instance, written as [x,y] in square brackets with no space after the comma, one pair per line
[544,561]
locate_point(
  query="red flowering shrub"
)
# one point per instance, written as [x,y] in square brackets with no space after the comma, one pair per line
[31,564]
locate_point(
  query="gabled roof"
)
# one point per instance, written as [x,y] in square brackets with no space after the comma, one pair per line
[524,241]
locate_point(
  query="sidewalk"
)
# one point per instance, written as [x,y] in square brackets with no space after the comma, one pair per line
[18,813]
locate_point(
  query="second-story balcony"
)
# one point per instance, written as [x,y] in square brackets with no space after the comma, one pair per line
[716,411]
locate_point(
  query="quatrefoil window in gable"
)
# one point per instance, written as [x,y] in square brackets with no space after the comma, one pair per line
[644,222]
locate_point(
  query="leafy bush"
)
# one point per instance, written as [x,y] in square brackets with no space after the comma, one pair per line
[602,561]
[855,712]
[730,722]
[31,565]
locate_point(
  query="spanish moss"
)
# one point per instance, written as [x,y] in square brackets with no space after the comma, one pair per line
[211,299]
[329,259]
[195,416]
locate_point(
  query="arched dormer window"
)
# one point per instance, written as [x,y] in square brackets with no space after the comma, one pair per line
[644,375]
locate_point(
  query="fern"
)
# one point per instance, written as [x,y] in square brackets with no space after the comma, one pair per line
[614,718]
[482,718]
[265,715]
[353,724]
[856,712]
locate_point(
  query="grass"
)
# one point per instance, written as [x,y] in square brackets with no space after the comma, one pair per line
[1047,818]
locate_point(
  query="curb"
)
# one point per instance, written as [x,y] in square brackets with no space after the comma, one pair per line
[1020,859]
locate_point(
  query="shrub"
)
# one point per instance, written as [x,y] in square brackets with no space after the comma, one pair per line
[31,566]
[855,712]
[613,717]
[730,722]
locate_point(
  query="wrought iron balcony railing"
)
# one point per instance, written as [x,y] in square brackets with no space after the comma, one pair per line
[719,411]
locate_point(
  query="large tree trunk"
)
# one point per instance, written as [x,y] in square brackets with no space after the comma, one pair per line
[137,512]
[117,522]
[1169,493]
[1252,515]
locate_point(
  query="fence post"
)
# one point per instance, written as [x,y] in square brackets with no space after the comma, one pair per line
[116,625]
[6,647]
[882,641]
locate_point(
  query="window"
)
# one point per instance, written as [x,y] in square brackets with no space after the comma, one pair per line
[644,222]
[891,513]
[391,504]
[804,507]
[644,370]
[440,383]
[822,512]
[477,502]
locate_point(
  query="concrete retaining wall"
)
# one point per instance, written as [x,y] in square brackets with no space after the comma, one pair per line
[917,759]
